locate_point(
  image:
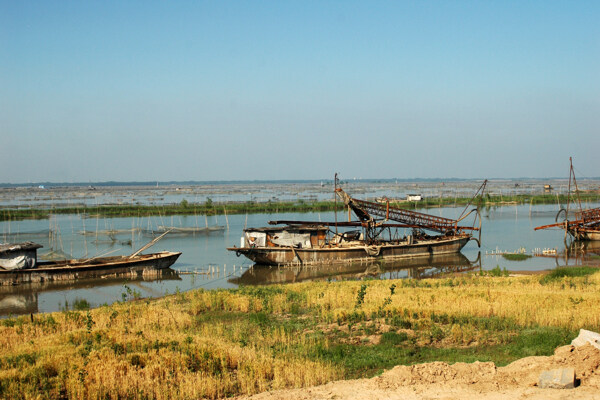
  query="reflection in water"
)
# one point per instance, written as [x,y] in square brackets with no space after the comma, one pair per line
[577,252]
[23,299]
[417,268]
[22,303]
[574,253]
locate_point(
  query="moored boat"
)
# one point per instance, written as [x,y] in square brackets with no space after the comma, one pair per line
[585,223]
[309,243]
[316,244]
[19,264]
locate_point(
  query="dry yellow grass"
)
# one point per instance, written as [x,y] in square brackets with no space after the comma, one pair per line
[213,344]
[570,302]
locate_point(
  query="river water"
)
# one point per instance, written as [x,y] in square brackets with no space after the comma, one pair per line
[205,263]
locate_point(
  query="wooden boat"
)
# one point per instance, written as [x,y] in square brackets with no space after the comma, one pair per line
[19,264]
[585,224]
[313,244]
[183,231]
[306,243]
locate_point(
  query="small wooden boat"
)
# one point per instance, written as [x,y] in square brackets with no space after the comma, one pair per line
[19,264]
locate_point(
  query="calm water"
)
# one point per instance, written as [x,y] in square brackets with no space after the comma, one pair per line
[206,264]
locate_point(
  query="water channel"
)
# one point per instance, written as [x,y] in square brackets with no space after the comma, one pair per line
[206,264]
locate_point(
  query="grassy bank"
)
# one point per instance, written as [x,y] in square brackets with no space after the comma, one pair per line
[223,343]
[211,208]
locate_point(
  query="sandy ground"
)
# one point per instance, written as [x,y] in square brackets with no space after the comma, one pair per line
[439,380]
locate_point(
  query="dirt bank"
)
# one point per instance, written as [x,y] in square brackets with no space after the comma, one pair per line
[439,380]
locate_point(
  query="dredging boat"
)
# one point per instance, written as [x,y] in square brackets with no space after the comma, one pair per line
[373,236]
[585,224]
[19,265]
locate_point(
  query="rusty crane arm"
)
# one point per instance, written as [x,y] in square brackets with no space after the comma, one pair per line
[366,211]
[584,218]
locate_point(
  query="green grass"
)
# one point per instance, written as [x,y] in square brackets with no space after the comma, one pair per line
[368,361]
[496,271]
[570,272]
[183,208]
[516,257]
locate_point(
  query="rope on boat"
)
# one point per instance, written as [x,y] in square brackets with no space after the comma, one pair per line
[296,254]
[373,251]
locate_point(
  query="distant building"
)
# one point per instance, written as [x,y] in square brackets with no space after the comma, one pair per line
[414,197]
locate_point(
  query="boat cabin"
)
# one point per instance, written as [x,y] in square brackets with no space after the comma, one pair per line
[414,197]
[305,237]
[19,255]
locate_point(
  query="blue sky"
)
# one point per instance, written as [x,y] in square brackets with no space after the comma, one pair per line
[128,90]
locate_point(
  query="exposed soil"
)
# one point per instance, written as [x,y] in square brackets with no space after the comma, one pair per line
[479,380]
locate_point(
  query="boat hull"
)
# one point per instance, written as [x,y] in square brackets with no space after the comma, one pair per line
[327,255]
[119,266]
[585,234]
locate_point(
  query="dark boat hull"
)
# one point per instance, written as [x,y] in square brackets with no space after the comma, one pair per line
[120,266]
[291,256]
[585,234]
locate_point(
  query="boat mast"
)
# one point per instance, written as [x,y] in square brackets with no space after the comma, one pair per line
[571,176]
[575,182]
[335,184]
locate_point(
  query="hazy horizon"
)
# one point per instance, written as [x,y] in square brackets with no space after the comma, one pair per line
[285,181]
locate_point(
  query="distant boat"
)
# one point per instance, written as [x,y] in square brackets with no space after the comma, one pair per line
[110,232]
[19,264]
[183,231]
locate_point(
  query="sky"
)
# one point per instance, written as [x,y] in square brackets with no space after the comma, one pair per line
[262,90]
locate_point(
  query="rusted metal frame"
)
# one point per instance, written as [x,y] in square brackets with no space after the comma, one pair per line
[349,201]
[560,224]
[583,218]
[481,189]
[354,224]
[591,215]
[592,218]
[366,211]
[425,221]
[377,231]
[575,182]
